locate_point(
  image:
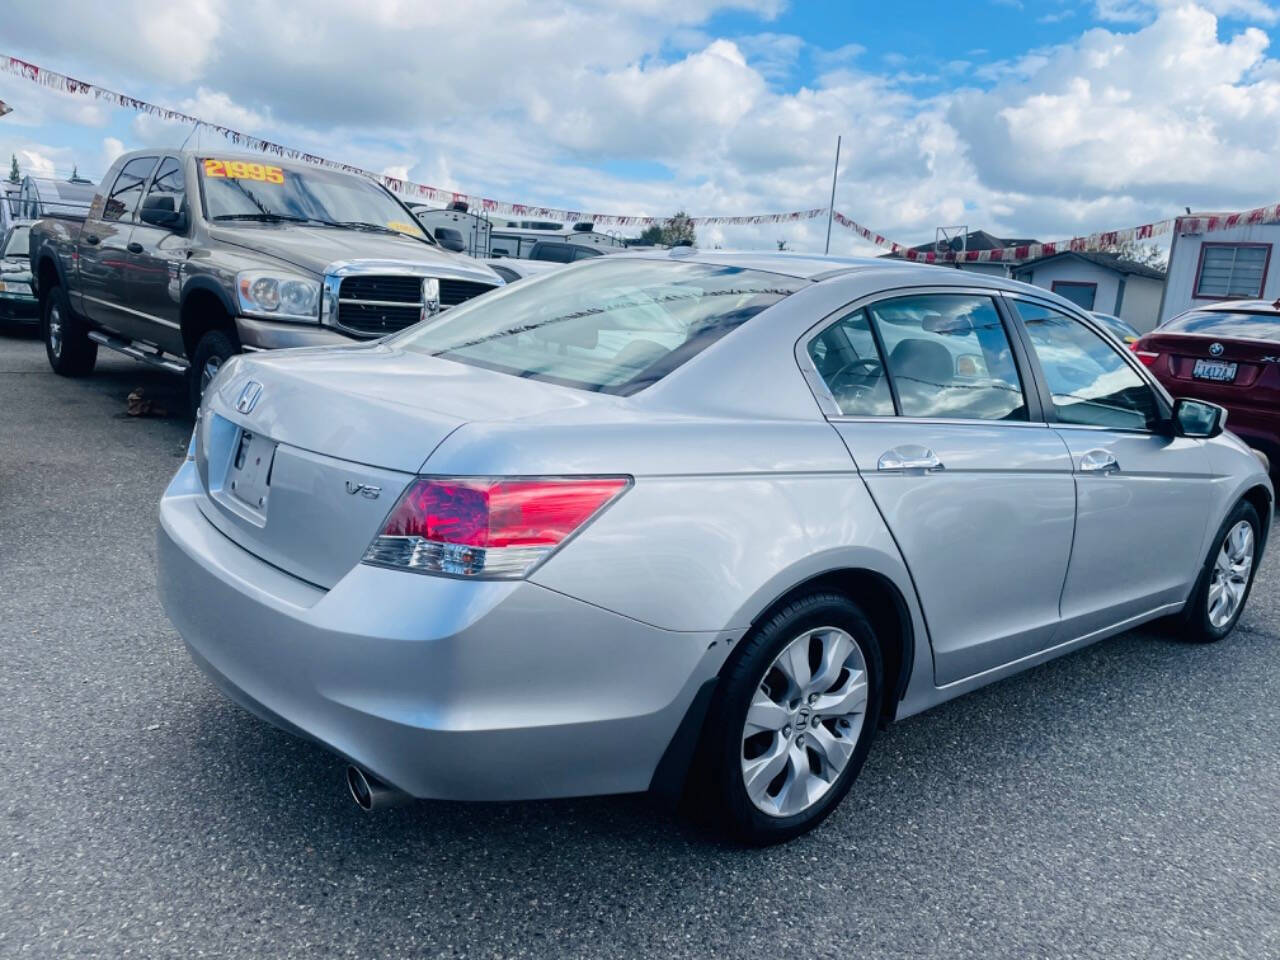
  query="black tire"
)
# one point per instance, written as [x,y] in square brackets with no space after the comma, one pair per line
[720,784]
[214,349]
[1195,625]
[66,336]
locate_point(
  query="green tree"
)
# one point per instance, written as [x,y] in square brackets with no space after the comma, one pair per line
[15,174]
[651,237]
[678,231]
[1147,254]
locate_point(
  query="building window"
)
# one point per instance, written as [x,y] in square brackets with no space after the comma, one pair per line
[1081,294]
[1230,270]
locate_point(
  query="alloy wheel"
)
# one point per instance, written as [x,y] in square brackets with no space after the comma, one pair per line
[804,721]
[1230,577]
[208,372]
[55,330]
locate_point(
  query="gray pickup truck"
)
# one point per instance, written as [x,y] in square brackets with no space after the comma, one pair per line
[185,259]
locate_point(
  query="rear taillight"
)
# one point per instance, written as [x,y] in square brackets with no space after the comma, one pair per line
[487,528]
[1146,356]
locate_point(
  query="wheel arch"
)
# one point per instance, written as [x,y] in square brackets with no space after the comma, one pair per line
[48,272]
[1260,498]
[204,307]
[893,619]
[885,606]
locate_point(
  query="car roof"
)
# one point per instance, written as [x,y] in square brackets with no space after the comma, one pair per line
[831,269]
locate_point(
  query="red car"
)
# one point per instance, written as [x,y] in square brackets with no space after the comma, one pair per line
[1229,354]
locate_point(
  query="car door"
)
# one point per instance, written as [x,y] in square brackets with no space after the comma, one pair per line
[156,259]
[103,248]
[1142,494]
[931,395]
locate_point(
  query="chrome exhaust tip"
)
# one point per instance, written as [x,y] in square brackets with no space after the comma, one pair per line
[370,793]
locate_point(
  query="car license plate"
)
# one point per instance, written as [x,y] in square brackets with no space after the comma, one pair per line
[249,476]
[1218,370]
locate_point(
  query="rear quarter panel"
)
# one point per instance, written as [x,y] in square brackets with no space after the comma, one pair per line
[723,519]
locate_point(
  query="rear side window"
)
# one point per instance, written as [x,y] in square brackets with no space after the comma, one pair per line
[1090,380]
[846,358]
[1235,326]
[127,190]
[612,325]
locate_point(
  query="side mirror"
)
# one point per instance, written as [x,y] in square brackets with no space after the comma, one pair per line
[163,211]
[1198,418]
[450,239]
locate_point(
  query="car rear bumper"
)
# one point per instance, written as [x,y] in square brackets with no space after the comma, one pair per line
[443,688]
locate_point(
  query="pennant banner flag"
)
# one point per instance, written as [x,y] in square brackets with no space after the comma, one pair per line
[1097,241]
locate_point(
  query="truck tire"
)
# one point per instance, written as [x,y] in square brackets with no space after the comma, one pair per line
[213,349]
[66,337]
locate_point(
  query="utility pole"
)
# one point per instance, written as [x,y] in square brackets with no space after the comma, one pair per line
[832,208]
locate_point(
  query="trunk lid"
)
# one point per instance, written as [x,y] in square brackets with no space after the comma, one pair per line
[1254,366]
[303,453]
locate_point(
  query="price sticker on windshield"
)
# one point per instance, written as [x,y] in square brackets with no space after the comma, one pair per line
[243,170]
[403,227]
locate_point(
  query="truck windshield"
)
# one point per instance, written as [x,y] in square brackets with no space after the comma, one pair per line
[247,190]
[610,325]
[16,245]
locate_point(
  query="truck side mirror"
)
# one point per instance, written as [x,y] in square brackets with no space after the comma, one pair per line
[163,211]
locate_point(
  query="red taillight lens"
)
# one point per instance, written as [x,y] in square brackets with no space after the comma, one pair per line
[1147,357]
[480,527]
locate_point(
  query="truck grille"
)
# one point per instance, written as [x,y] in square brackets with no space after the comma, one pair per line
[453,292]
[375,305]
[401,289]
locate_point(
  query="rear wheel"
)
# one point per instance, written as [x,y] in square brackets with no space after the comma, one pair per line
[793,720]
[66,338]
[214,349]
[1223,588]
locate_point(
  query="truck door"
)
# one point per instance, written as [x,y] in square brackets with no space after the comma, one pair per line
[157,254]
[103,248]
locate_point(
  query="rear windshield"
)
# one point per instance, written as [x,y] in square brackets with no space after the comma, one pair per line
[610,325]
[1242,326]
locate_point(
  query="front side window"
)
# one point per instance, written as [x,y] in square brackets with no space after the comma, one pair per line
[127,190]
[613,326]
[1082,295]
[169,186]
[1232,270]
[1089,379]
[948,356]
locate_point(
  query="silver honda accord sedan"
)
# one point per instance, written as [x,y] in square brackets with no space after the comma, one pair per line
[695,523]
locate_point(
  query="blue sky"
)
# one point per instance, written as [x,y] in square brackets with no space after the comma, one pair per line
[1033,119]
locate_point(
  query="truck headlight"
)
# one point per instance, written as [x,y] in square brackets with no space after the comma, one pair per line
[276,296]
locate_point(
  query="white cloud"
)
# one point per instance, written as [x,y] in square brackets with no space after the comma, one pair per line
[637,107]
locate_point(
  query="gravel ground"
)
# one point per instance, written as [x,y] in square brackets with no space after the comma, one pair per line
[1120,802]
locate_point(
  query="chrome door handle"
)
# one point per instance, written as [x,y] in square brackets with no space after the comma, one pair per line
[1099,461]
[909,457]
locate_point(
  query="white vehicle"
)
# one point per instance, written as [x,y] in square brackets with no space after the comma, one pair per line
[511,269]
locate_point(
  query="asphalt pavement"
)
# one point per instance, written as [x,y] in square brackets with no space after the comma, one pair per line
[1123,801]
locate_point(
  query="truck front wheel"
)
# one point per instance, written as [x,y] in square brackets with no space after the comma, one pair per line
[66,338]
[214,349]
